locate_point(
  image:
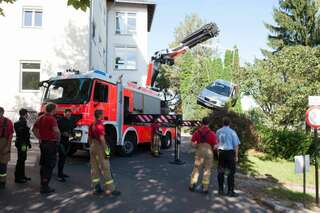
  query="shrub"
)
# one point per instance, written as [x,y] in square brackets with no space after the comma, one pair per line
[244,127]
[285,143]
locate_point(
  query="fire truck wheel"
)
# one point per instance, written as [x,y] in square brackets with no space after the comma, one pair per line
[72,150]
[166,141]
[130,145]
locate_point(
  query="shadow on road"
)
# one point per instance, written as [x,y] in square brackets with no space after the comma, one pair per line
[148,185]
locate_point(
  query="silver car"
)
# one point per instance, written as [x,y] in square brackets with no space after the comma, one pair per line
[218,94]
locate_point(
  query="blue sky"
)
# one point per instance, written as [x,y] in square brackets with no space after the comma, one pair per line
[240,23]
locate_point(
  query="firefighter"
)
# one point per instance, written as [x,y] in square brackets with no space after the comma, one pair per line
[156,139]
[99,157]
[65,126]
[47,131]
[6,133]
[204,140]
[22,144]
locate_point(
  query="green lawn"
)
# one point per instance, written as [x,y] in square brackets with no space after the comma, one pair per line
[281,170]
[286,194]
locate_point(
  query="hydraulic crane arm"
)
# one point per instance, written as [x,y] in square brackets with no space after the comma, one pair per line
[168,56]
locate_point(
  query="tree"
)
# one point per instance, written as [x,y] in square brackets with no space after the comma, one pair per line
[297,23]
[187,77]
[5,1]
[195,70]
[281,84]
[190,24]
[236,59]
[77,4]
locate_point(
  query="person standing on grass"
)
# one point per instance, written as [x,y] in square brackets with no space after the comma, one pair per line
[204,140]
[228,152]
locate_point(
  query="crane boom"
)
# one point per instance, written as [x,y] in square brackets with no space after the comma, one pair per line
[168,56]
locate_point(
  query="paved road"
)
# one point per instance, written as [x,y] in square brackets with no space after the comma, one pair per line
[147,184]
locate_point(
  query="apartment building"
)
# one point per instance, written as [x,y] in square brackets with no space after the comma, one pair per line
[40,38]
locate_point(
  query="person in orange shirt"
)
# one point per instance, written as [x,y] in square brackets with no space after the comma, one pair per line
[6,133]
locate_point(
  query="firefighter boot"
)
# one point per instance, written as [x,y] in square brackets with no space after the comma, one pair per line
[98,189]
[2,185]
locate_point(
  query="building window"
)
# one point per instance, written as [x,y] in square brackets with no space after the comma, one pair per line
[100,93]
[125,58]
[30,76]
[126,23]
[32,17]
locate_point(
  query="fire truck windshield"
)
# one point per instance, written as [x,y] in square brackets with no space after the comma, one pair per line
[68,91]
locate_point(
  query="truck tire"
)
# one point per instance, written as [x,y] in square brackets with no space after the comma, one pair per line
[72,150]
[166,141]
[130,145]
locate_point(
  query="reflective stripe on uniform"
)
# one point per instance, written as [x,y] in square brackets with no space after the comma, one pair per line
[23,148]
[206,182]
[96,180]
[109,182]
[3,175]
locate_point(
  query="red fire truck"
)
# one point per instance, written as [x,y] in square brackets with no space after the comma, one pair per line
[127,108]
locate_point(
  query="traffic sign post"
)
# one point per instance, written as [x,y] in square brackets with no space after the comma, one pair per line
[316,164]
[302,165]
[313,120]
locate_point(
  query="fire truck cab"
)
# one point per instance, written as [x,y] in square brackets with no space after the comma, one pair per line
[84,93]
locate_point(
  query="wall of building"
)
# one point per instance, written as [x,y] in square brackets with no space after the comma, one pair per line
[61,43]
[98,35]
[64,41]
[139,40]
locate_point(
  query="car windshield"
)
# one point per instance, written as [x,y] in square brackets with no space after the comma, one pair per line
[68,91]
[220,89]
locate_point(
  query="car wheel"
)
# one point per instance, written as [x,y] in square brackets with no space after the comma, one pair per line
[166,141]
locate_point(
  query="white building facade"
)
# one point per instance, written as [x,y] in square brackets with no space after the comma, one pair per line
[40,38]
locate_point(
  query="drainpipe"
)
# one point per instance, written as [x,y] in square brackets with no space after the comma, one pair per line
[90,33]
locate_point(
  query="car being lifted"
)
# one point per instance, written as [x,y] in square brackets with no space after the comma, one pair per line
[218,94]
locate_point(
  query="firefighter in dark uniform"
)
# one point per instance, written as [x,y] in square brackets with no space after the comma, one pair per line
[6,133]
[22,144]
[65,126]
[47,131]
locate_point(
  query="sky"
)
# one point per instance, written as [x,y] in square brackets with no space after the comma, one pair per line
[241,23]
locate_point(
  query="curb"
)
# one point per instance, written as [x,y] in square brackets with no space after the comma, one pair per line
[281,209]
